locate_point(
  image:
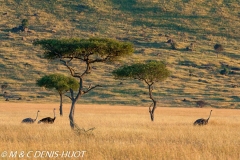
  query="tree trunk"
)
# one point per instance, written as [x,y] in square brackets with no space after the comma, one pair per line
[151,111]
[60,108]
[74,101]
[71,114]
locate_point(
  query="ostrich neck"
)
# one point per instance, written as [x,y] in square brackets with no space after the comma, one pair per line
[54,113]
[36,116]
[209,115]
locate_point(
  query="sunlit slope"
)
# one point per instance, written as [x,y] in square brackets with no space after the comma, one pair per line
[148,24]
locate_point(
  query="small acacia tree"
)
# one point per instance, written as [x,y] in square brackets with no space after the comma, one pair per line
[61,83]
[149,72]
[84,52]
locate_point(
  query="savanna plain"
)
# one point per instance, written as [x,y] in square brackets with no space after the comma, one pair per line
[119,109]
[122,132]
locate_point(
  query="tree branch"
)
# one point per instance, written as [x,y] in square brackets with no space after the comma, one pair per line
[72,94]
[150,89]
[101,59]
[68,97]
[66,63]
[90,88]
[88,69]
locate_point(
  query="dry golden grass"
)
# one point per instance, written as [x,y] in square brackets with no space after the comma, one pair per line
[123,132]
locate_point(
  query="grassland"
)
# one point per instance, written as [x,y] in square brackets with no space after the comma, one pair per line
[123,132]
[148,25]
[119,109]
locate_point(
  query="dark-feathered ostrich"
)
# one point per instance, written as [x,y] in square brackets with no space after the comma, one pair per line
[202,121]
[48,119]
[30,120]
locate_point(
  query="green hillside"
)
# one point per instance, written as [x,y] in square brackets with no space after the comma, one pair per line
[195,75]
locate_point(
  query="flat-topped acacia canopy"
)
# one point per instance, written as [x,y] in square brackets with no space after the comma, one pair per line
[150,72]
[91,50]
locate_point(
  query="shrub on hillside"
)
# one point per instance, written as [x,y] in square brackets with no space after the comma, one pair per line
[25,23]
[23,27]
[201,104]
[174,45]
[190,47]
[3,87]
[225,71]
[218,48]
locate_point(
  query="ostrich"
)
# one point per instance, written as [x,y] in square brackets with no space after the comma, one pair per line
[30,120]
[202,121]
[48,119]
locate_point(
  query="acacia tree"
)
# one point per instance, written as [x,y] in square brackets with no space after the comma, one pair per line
[59,82]
[149,72]
[85,52]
